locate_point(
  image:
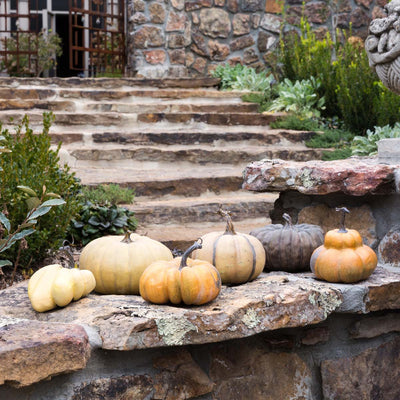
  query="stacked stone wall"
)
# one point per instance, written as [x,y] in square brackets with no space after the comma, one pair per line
[347,357]
[180,38]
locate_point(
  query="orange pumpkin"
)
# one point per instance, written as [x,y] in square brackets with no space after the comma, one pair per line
[343,257]
[180,280]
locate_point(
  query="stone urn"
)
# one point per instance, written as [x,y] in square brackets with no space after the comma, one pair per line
[383,46]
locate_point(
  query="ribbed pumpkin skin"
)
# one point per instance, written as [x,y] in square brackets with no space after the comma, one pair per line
[195,282]
[289,247]
[343,258]
[118,265]
[53,286]
[238,257]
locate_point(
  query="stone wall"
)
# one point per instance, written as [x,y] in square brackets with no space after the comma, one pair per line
[282,336]
[347,357]
[175,38]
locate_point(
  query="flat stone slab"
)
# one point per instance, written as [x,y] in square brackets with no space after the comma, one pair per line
[111,82]
[273,301]
[29,340]
[128,322]
[353,176]
[31,351]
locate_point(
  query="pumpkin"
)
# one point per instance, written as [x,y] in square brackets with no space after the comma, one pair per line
[289,247]
[343,257]
[54,285]
[238,257]
[117,262]
[193,282]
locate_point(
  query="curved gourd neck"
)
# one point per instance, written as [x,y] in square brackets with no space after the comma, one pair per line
[196,245]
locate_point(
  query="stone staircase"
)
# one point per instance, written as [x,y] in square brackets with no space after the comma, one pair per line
[181,144]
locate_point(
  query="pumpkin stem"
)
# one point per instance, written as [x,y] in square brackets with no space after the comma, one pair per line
[198,244]
[288,220]
[127,237]
[230,230]
[344,211]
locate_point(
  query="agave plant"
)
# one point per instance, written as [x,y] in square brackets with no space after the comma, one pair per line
[367,145]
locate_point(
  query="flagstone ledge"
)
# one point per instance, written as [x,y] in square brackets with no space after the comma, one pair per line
[113,322]
[354,176]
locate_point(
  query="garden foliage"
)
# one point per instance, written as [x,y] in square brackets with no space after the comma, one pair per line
[241,77]
[351,89]
[367,145]
[299,98]
[36,53]
[97,220]
[100,214]
[107,194]
[33,164]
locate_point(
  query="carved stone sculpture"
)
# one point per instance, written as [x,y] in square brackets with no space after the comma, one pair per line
[383,46]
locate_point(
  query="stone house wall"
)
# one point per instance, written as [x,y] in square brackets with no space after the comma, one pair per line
[178,38]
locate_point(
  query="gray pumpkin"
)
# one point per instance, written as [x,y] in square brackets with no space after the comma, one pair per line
[289,247]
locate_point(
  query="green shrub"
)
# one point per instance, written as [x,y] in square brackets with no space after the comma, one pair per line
[367,145]
[36,53]
[336,140]
[227,74]
[356,91]
[300,98]
[351,89]
[11,236]
[336,154]
[95,221]
[386,105]
[297,123]
[108,194]
[262,99]
[330,138]
[100,214]
[33,164]
[241,77]
[302,55]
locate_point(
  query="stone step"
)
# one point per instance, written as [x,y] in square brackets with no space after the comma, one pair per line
[164,134]
[167,179]
[130,107]
[114,94]
[168,108]
[241,204]
[210,134]
[55,105]
[118,120]
[114,155]
[181,236]
[227,118]
[192,82]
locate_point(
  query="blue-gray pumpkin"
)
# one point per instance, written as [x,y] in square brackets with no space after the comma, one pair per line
[289,247]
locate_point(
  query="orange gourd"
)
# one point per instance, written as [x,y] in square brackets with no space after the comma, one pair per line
[343,257]
[181,280]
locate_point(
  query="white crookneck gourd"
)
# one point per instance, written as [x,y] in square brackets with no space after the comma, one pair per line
[54,285]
